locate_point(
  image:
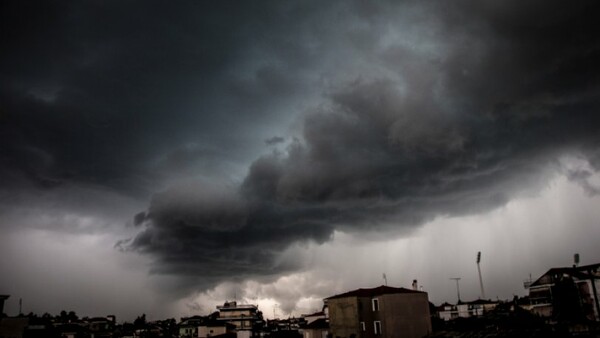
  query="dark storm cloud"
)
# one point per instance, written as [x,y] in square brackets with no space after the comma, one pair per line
[482,117]
[210,233]
[582,177]
[418,110]
[274,140]
[114,93]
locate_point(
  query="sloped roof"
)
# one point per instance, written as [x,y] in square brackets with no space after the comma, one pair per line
[320,323]
[372,292]
[192,321]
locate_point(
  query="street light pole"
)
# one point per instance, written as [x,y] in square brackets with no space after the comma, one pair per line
[457,288]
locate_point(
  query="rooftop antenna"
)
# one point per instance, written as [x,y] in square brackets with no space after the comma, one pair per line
[479,271]
[384,279]
[20,306]
[457,288]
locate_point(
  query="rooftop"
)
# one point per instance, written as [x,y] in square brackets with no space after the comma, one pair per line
[319,313]
[235,306]
[372,292]
[581,272]
[320,323]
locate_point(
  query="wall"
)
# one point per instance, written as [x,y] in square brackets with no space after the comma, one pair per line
[314,333]
[205,331]
[244,334]
[343,317]
[405,315]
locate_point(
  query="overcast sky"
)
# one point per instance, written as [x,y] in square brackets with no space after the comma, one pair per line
[162,158]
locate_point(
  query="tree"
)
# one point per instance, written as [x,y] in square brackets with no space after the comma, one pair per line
[72,316]
[140,322]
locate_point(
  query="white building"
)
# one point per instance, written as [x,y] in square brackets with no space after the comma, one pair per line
[243,316]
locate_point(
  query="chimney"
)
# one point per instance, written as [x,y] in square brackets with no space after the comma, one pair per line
[415,286]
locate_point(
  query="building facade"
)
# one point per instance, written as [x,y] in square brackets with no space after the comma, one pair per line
[567,293]
[188,327]
[476,308]
[381,312]
[316,325]
[245,317]
[215,328]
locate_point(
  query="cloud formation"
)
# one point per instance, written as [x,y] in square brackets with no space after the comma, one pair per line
[456,130]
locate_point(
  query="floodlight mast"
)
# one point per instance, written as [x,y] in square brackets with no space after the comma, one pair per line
[479,271]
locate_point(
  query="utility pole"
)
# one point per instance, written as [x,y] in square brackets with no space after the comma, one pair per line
[457,288]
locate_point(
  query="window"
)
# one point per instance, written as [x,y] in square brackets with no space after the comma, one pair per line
[375,303]
[377,327]
[362,326]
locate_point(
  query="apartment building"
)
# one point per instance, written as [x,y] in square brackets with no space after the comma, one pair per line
[567,293]
[381,312]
